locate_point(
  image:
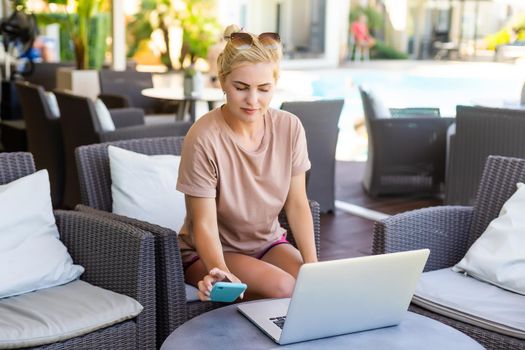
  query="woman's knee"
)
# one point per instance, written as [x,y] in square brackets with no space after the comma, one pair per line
[281,287]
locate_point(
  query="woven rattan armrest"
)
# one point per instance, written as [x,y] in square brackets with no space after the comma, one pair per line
[444,230]
[316,217]
[116,256]
[171,293]
[145,131]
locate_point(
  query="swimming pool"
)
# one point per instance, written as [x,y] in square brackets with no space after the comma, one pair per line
[425,84]
[402,89]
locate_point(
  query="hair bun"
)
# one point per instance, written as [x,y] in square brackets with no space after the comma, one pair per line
[232,28]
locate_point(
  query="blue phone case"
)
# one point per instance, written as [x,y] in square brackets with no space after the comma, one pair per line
[226,292]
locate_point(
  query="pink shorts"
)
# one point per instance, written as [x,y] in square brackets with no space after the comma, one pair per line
[260,256]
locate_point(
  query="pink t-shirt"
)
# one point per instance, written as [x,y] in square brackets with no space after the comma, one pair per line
[249,187]
[360,31]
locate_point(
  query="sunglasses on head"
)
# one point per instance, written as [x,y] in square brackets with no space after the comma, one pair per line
[243,41]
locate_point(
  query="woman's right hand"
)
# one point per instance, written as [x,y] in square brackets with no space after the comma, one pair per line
[215,275]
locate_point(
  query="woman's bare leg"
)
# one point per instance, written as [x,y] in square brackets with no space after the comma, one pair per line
[264,279]
[286,257]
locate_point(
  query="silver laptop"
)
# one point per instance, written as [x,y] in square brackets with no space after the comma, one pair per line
[341,296]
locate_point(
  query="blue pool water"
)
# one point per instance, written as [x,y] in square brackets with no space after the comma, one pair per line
[402,89]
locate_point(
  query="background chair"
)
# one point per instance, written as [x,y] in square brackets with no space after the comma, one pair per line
[179,301]
[44,136]
[121,89]
[116,257]
[45,74]
[320,121]
[406,154]
[448,232]
[480,132]
[13,135]
[80,126]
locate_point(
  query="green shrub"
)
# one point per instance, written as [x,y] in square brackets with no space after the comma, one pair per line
[383,51]
[374,18]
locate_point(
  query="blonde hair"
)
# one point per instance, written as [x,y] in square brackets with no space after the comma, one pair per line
[257,53]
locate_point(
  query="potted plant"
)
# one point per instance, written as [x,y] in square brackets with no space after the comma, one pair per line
[86,24]
[193,20]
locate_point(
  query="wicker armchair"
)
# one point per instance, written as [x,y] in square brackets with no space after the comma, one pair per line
[80,126]
[121,89]
[449,231]
[406,148]
[44,137]
[116,256]
[480,132]
[95,185]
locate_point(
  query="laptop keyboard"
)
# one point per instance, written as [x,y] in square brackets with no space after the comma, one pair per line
[279,321]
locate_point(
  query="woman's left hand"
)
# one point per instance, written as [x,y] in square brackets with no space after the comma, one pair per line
[215,275]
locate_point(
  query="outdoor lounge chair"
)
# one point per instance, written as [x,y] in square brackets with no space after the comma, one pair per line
[480,132]
[45,74]
[320,121]
[44,137]
[177,302]
[123,89]
[80,126]
[449,231]
[116,256]
[406,149]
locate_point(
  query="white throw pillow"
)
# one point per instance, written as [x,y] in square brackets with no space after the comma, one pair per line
[31,254]
[52,103]
[143,187]
[380,109]
[498,255]
[104,117]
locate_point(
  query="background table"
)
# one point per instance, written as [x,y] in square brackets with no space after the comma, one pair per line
[226,328]
[209,95]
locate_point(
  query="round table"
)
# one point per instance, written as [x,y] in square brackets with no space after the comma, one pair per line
[210,95]
[226,328]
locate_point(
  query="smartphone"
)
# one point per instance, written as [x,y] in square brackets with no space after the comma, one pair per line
[226,292]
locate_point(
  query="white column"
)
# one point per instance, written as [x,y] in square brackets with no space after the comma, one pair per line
[419,26]
[396,32]
[118,35]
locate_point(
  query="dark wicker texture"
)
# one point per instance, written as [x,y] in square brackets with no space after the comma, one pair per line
[95,185]
[316,217]
[115,255]
[480,132]
[449,231]
[444,230]
[406,154]
[80,126]
[15,165]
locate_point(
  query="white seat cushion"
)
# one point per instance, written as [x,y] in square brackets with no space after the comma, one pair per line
[60,313]
[192,293]
[104,117]
[52,104]
[472,301]
[380,109]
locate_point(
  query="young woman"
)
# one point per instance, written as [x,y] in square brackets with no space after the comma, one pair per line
[241,164]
